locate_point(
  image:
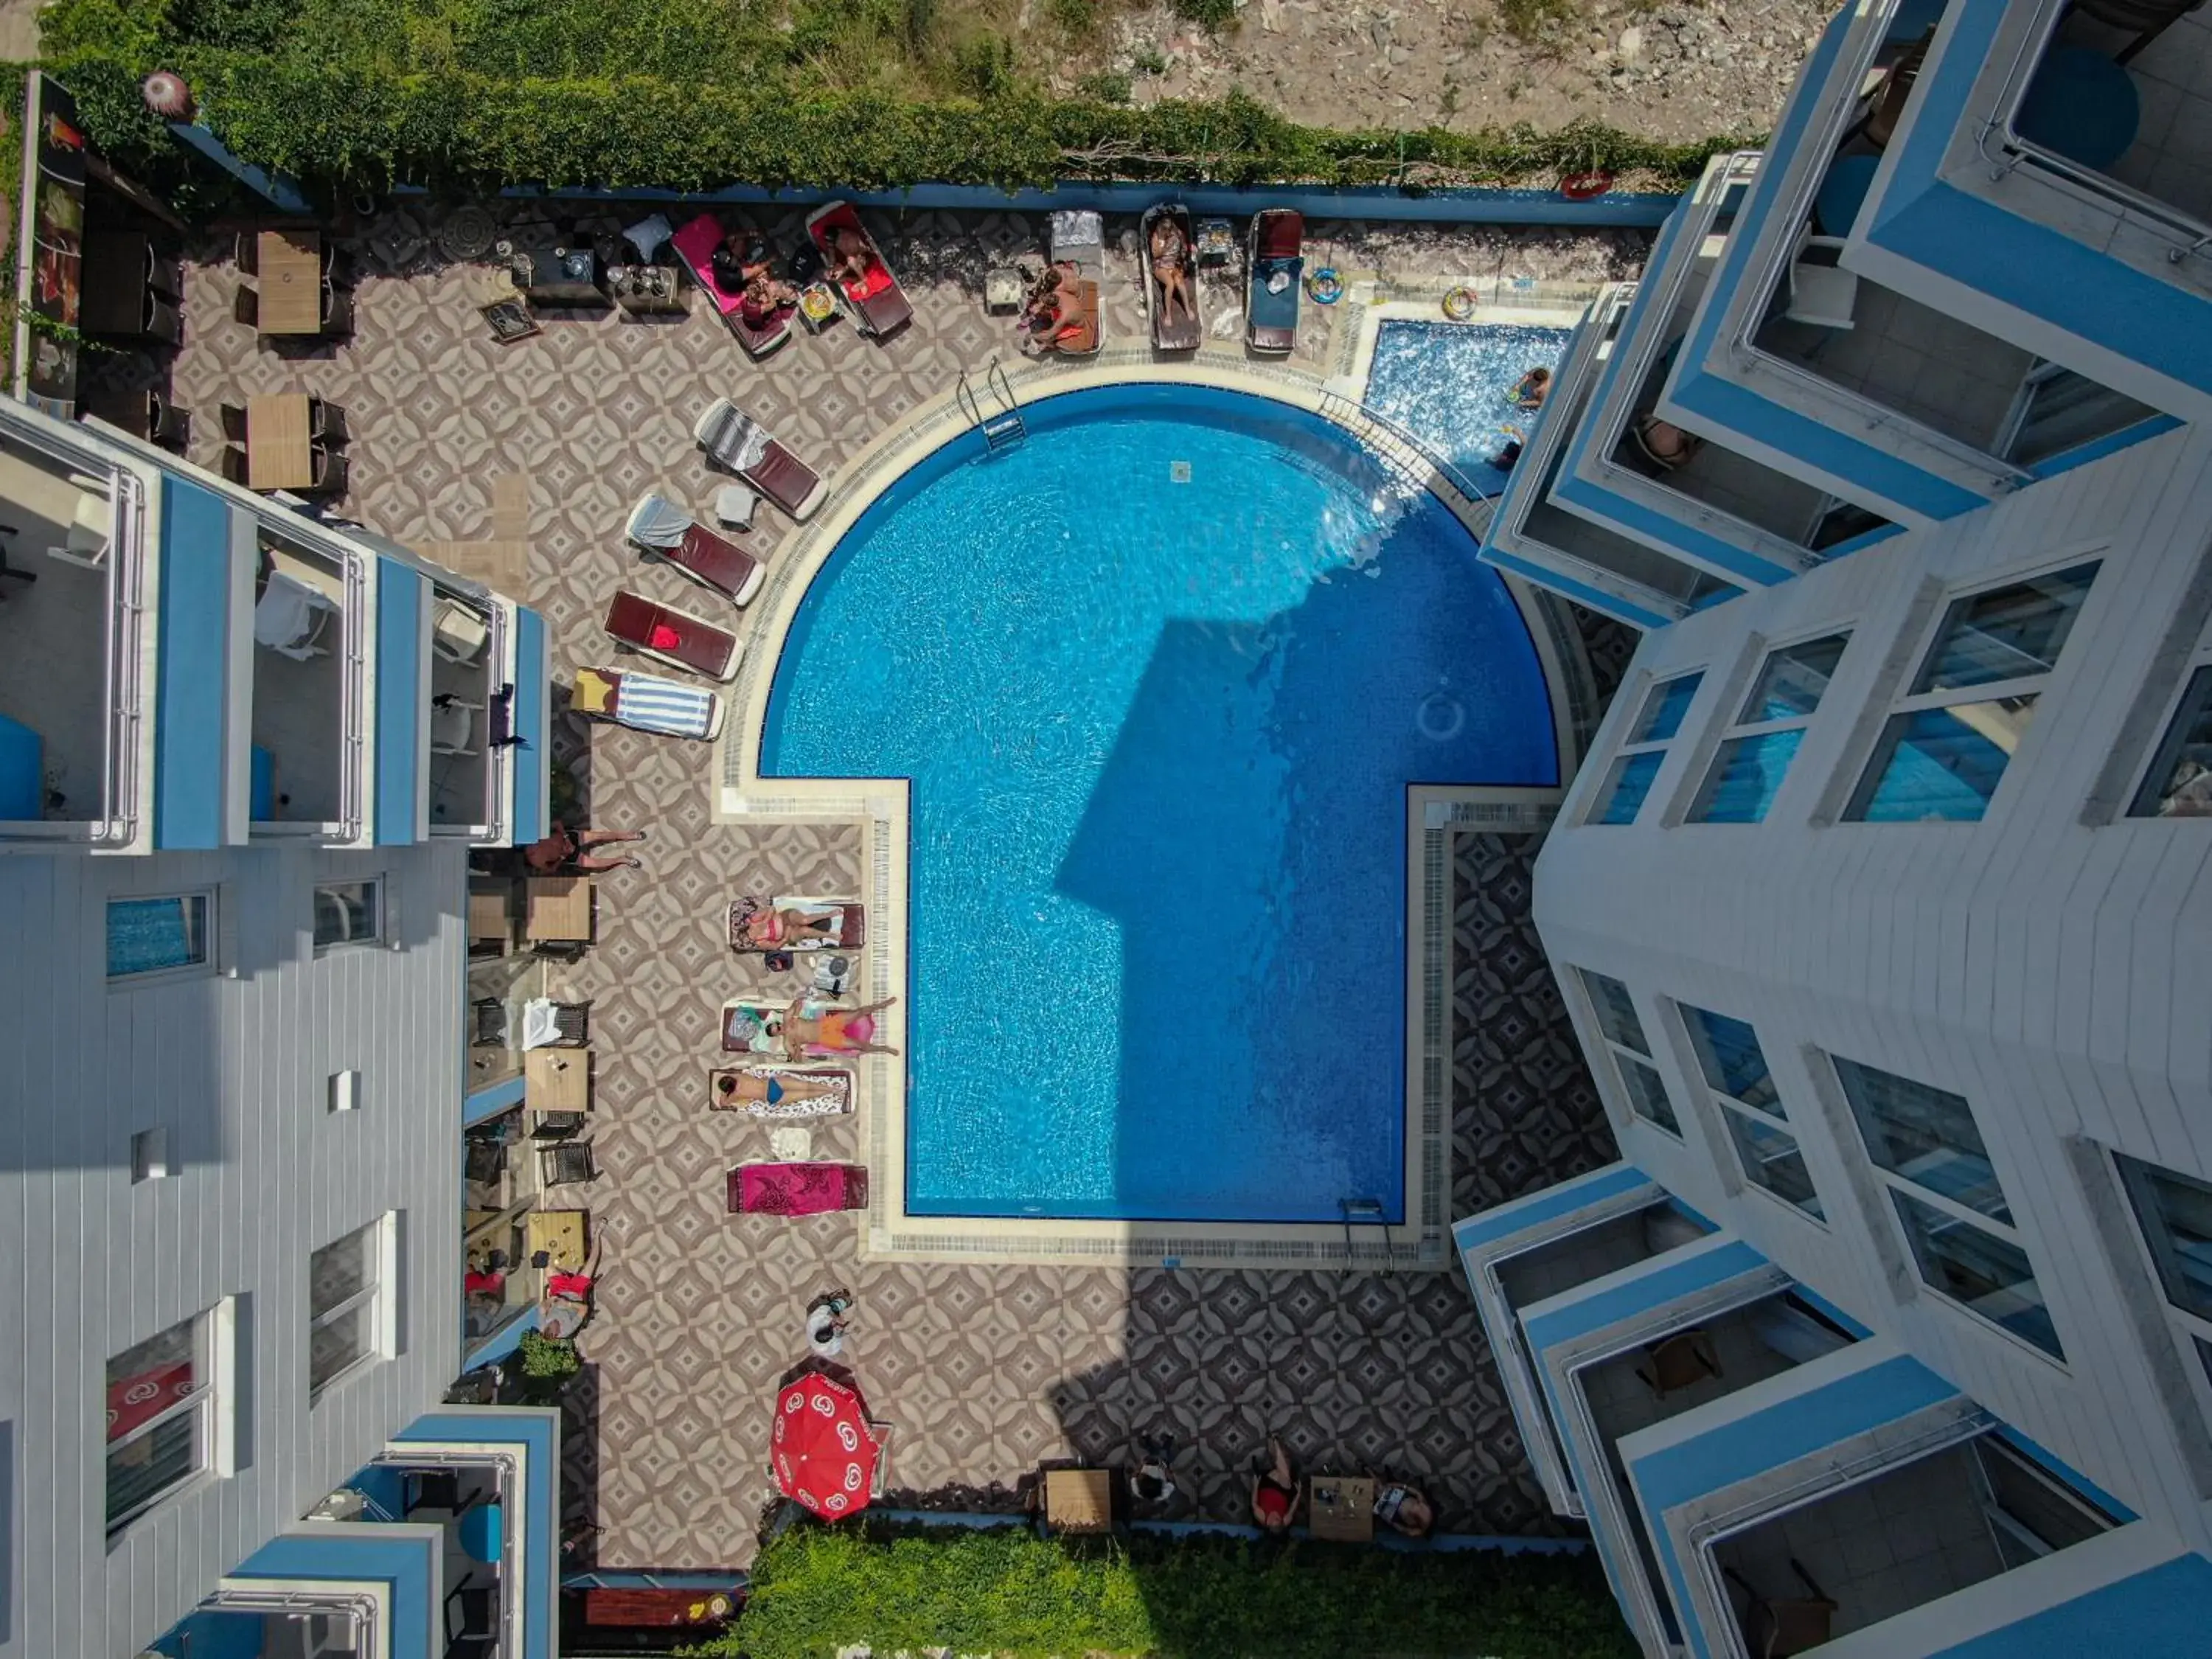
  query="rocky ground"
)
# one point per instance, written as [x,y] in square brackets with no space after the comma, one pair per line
[1668,70]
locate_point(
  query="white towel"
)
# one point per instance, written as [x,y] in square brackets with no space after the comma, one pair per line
[657,705]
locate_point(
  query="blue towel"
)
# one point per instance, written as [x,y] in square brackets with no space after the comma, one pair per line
[663,706]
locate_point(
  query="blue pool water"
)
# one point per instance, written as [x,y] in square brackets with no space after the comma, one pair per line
[1450,385]
[1159,677]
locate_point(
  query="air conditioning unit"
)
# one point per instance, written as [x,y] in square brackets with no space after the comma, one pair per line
[343,1504]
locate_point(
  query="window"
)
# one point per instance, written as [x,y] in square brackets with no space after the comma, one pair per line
[348,912]
[170,935]
[1640,757]
[1748,772]
[1947,741]
[1735,1071]
[2179,784]
[1632,1055]
[345,1327]
[2174,1212]
[1928,1152]
[158,1433]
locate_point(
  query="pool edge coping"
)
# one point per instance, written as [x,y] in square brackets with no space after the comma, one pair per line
[879,806]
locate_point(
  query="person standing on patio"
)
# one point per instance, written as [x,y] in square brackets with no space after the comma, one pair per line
[1152,1481]
[564,848]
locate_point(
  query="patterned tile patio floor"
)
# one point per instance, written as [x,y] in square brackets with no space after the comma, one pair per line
[466,447]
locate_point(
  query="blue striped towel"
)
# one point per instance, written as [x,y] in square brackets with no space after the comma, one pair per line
[657,705]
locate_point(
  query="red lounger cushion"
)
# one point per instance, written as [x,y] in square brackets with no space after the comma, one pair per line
[722,565]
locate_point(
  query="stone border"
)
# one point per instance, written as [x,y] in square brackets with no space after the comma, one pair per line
[1421,1244]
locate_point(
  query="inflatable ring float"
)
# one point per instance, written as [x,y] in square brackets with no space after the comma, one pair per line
[1440,717]
[1459,304]
[1581,187]
[1324,287]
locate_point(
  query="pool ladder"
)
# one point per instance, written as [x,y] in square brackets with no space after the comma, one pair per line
[1003,428]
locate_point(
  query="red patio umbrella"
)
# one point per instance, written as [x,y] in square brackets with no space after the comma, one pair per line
[824,1456]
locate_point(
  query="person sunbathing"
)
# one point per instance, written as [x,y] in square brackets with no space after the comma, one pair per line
[763,298]
[736,1090]
[770,929]
[565,1301]
[1171,269]
[832,1031]
[1275,1489]
[740,258]
[1405,1510]
[851,257]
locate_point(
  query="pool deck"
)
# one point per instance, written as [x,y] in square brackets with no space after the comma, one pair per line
[517,464]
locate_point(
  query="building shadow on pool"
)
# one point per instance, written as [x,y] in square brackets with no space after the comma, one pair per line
[1248,830]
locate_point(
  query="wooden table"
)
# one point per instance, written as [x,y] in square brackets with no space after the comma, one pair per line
[489,913]
[558,910]
[1079,1500]
[278,455]
[558,1080]
[290,263]
[1343,1508]
[559,1233]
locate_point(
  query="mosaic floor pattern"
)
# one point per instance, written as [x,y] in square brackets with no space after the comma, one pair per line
[985,1370]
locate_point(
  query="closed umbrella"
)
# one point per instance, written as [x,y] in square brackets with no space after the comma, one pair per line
[824,1454]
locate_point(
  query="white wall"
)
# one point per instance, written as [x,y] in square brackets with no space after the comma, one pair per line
[236,1069]
[2056,972]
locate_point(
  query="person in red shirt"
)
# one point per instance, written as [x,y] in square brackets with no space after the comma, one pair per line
[1275,1490]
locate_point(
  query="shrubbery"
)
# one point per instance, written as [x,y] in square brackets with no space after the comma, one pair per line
[1007,1592]
[694,95]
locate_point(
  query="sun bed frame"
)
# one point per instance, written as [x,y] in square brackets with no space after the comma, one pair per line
[882,310]
[1274,246]
[712,561]
[1185,333]
[695,245]
[741,445]
[631,618]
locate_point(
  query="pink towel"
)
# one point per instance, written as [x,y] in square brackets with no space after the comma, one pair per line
[797,1189]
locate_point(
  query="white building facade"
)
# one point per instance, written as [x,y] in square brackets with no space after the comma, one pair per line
[1883,903]
[236,816]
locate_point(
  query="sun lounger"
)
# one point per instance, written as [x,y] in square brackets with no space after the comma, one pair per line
[749,920]
[876,302]
[695,246]
[1076,237]
[797,1189]
[671,636]
[837,1103]
[1184,333]
[712,561]
[1273,262]
[645,702]
[734,440]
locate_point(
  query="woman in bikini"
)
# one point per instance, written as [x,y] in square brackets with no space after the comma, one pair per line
[768,929]
[832,1031]
[735,1091]
[1171,269]
[1275,1490]
[851,258]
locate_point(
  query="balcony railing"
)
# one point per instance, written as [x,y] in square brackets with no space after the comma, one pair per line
[2006,148]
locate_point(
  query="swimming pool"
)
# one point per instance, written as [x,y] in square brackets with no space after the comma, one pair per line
[1451,385]
[1160,678]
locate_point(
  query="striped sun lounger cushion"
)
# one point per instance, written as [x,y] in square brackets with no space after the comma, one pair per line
[655,705]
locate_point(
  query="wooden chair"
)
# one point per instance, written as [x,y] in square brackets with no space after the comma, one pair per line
[330,470]
[163,321]
[1776,1626]
[337,311]
[246,253]
[553,1128]
[569,1163]
[1684,1358]
[167,424]
[473,1620]
[232,417]
[326,422]
[247,307]
[234,463]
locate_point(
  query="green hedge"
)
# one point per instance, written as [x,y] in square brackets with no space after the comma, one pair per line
[1007,1592]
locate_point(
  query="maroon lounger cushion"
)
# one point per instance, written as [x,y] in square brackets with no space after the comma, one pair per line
[637,622]
[721,564]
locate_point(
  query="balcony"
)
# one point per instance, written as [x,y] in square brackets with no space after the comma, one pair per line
[238,1624]
[468,708]
[1859,1555]
[74,556]
[467,1498]
[2051,179]
[307,723]
[1684,489]
[1591,564]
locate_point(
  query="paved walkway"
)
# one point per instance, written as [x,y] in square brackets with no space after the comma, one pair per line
[523,459]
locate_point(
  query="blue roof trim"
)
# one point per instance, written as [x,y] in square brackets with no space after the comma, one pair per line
[1735,1451]
[1632,516]
[1741,410]
[399,712]
[488,1102]
[1549,1204]
[2160,1610]
[535,1434]
[1596,599]
[1819,1304]
[356,1554]
[532,691]
[192,677]
[2126,437]
[1661,1282]
[1861,542]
